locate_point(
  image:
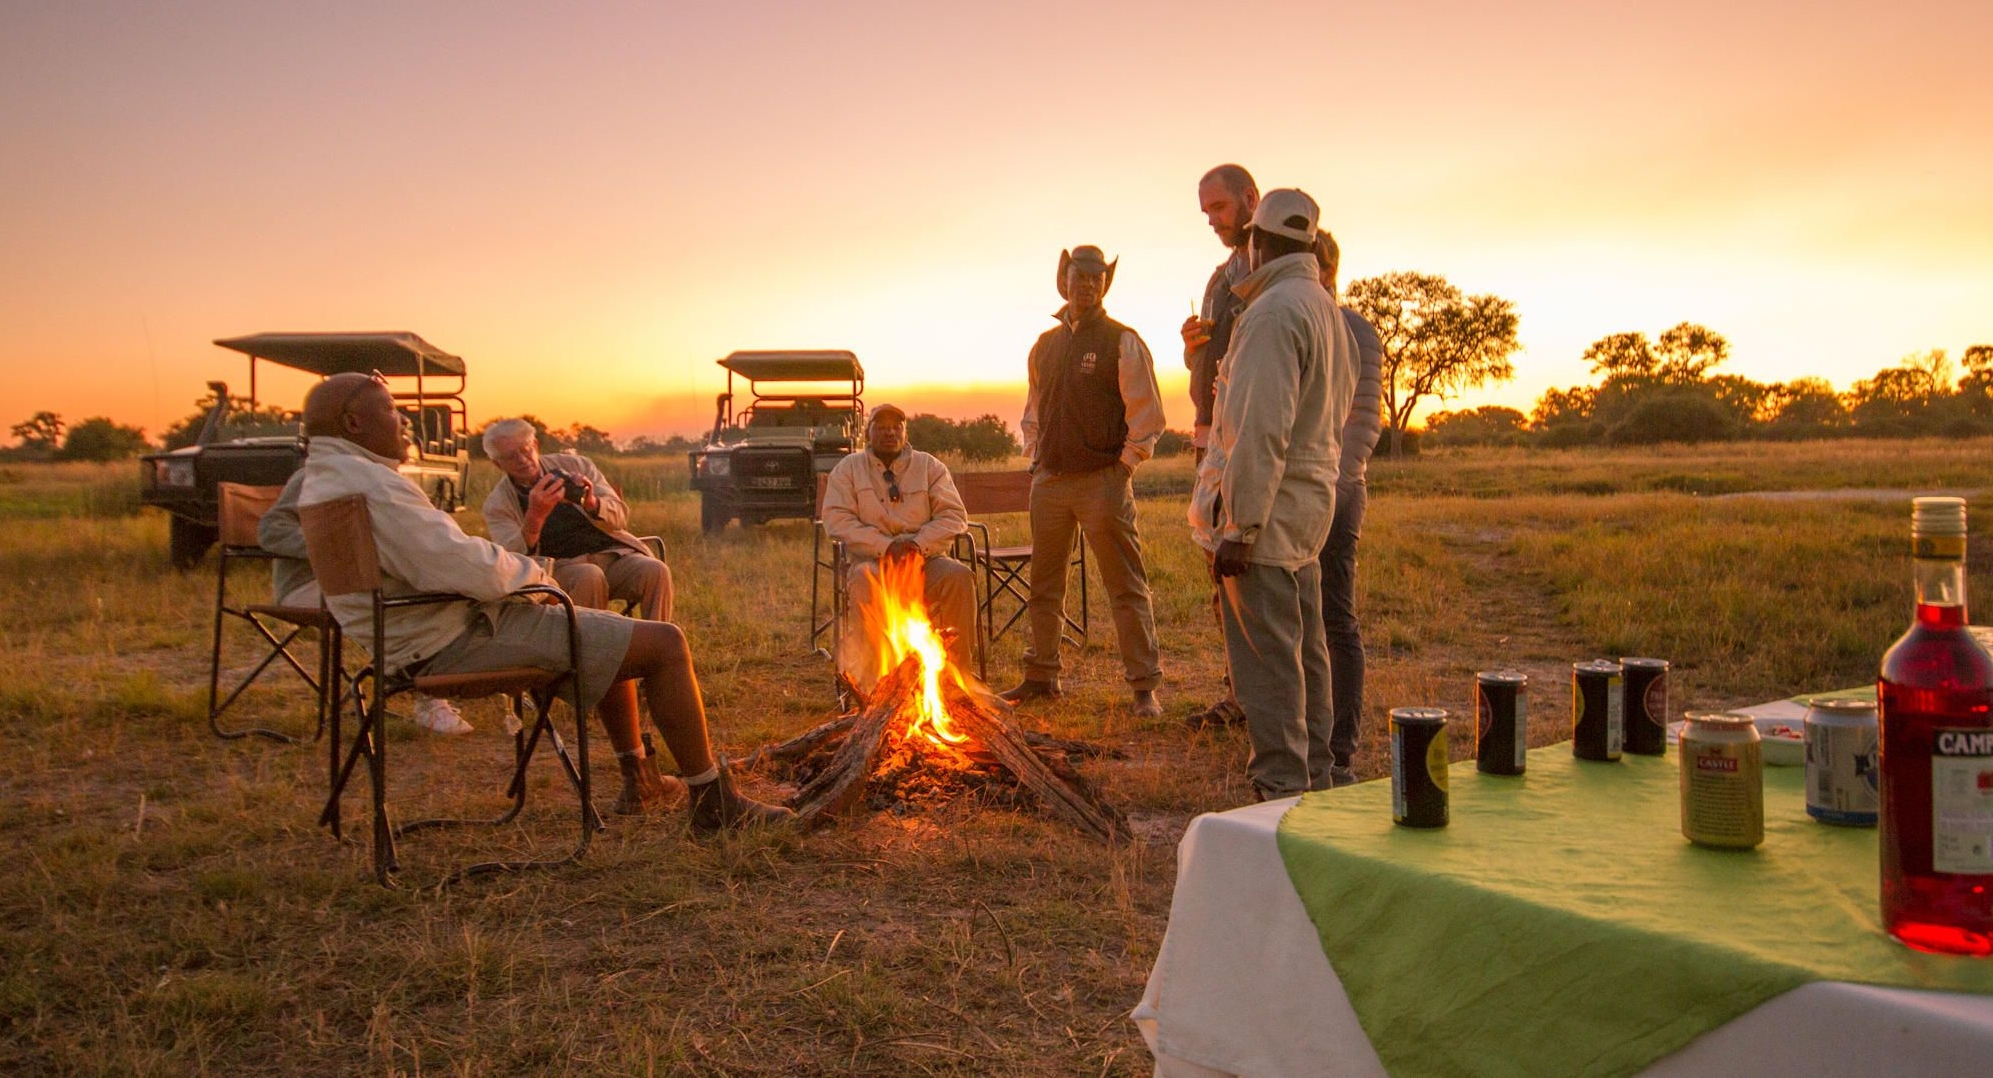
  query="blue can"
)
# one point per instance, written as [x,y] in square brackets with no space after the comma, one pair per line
[1843,769]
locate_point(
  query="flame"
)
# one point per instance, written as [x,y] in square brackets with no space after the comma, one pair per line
[896,622]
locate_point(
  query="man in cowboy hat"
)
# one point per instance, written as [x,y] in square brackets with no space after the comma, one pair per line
[1093,413]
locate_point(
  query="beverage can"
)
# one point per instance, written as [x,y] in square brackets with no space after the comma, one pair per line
[1501,737]
[1597,723]
[1418,766]
[1722,781]
[1644,690]
[1843,772]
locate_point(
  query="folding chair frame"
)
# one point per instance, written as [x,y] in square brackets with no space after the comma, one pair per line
[324,680]
[372,689]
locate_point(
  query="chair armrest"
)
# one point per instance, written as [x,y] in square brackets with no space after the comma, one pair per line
[653,543]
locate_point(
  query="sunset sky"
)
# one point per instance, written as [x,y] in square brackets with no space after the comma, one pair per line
[593,202]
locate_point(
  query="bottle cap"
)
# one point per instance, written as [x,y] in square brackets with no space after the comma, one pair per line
[1937,516]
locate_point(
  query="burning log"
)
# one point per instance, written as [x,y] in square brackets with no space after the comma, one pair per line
[1064,792]
[924,731]
[842,783]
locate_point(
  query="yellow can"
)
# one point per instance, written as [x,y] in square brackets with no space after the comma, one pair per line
[1723,789]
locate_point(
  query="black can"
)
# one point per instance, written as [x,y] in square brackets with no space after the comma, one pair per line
[1501,738]
[1644,689]
[1597,723]
[1418,766]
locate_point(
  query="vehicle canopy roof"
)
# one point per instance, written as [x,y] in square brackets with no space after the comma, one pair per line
[823,366]
[392,354]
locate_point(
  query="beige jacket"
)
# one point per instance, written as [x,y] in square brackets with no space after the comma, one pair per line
[421,549]
[858,509]
[506,520]
[1284,389]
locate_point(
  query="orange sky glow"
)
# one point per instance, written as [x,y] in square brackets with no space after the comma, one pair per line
[591,203]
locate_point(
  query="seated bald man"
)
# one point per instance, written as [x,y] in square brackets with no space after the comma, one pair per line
[562,507]
[357,440]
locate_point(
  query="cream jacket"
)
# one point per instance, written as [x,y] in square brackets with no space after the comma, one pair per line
[858,509]
[1284,389]
[421,549]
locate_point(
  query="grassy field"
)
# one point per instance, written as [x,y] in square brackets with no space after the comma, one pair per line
[167,905]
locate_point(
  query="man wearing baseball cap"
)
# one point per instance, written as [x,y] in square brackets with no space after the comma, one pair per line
[1092,414]
[894,501]
[1266,493]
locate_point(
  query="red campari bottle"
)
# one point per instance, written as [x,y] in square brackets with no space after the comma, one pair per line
[1935,705]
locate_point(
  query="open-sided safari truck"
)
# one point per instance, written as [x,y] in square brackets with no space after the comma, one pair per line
[427,384]
[761,463]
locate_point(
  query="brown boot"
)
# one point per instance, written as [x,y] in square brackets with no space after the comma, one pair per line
[718,804]
[646,791]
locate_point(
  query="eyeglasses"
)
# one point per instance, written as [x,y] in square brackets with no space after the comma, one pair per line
[892,484]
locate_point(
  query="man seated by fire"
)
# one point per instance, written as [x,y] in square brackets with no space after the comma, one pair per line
[889,503]
[357,440]
[561,506]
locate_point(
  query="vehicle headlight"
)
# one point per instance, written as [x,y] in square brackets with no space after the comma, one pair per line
[173,472]
[718,464]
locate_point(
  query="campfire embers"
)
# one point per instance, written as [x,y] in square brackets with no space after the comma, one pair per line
[930,732]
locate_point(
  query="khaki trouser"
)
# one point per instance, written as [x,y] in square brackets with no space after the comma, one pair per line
[1102,502]
[950,590]
[1279,657]
[592,580]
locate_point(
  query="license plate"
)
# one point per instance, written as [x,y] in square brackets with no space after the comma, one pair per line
[767,481]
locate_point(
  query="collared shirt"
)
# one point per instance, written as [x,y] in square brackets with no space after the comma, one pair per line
[859,510]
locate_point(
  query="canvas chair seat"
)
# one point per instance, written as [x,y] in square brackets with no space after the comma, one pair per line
[240,510]
[311,617]
[529,679]
[340,538]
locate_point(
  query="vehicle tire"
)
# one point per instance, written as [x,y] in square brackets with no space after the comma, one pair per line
[714,512]
[188,541]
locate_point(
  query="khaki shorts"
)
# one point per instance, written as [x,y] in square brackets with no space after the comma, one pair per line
[535,635]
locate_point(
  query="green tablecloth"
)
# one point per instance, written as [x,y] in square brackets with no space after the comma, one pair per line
[1562,925]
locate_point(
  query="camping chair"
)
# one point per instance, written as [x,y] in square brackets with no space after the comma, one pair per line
[340,537]
[1006,569]
[241,510]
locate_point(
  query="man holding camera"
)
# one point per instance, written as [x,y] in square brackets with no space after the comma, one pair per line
[561,507]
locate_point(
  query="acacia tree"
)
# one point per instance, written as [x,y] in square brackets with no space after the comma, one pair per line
[39,433]
[1437,341]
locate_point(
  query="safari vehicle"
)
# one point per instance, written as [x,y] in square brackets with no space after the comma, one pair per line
[805,415]
[427,384]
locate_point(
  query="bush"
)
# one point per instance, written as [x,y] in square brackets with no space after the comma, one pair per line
[100,439]
[1684,416]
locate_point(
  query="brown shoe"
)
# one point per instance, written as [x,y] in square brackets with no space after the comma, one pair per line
[719,804]
[646,791]
[1030,689]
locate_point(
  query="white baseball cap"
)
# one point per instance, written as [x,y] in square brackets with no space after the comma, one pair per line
[1288,212]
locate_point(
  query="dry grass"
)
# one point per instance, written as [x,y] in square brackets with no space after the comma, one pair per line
[168,906]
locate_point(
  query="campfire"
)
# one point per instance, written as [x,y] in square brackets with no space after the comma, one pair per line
[929,732]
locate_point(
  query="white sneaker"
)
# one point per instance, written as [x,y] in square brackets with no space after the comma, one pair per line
[440,716]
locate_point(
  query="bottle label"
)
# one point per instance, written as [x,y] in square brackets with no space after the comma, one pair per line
[1938,547]
[1962,800]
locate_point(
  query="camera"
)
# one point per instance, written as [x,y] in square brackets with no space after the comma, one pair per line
[572,488]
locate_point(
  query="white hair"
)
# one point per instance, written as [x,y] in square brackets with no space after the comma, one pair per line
[507,430]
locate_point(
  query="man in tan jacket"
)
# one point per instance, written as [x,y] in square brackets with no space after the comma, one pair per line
[562,507]
[1265,494]
[889,502]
